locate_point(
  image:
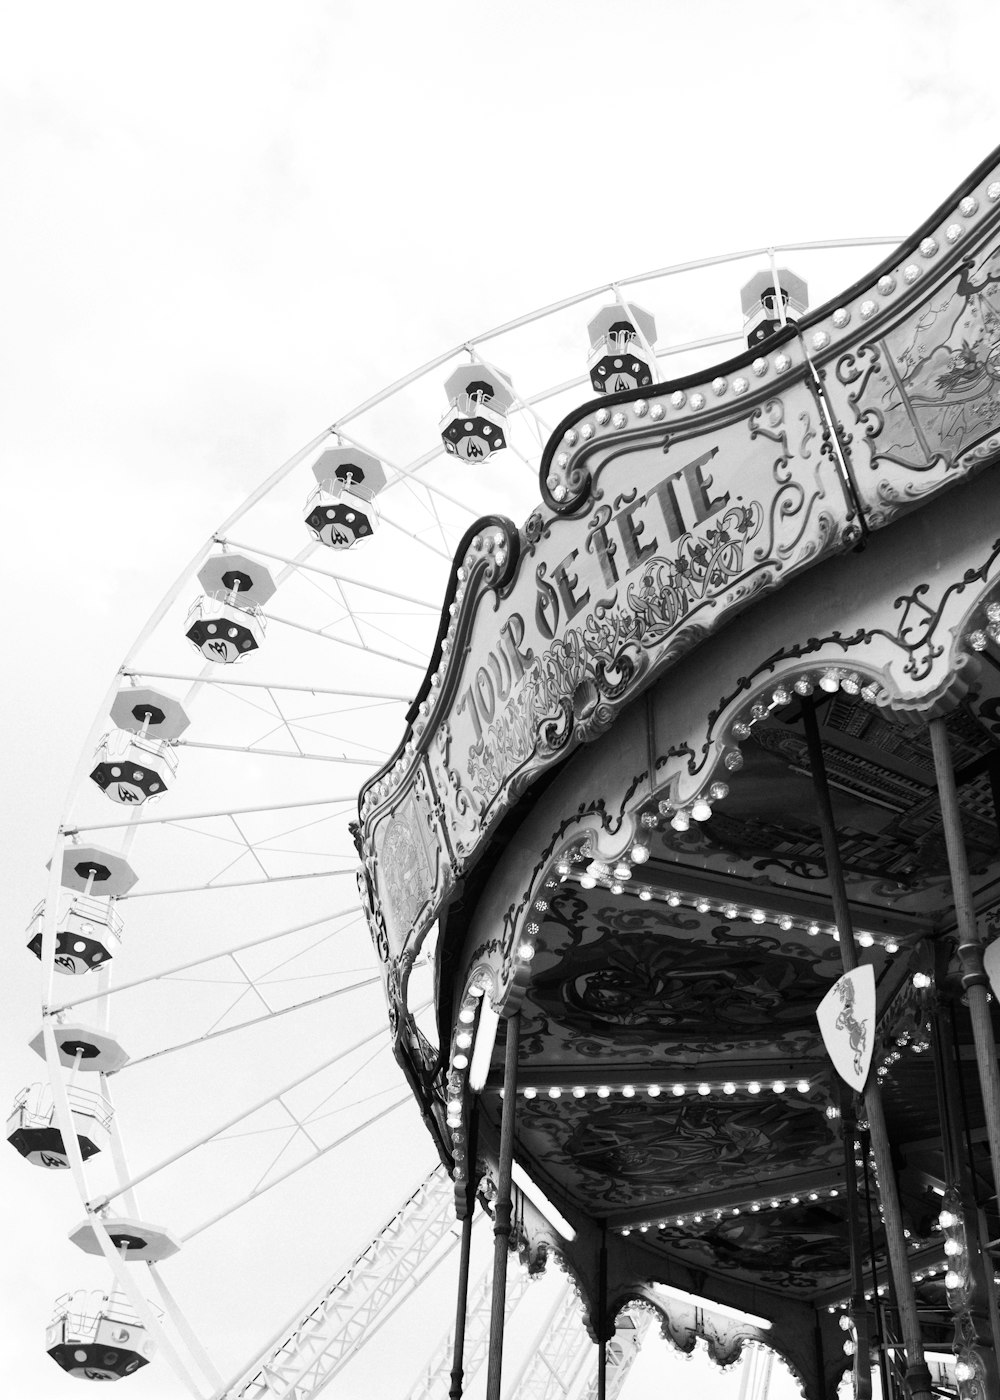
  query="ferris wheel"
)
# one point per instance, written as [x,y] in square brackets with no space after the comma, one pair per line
[212,1015]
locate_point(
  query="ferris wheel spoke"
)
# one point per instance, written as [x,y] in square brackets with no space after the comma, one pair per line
[238,683]
[354,1103]
[344,642]
[276,753]
[356,922]
[314,1114]
[347,800]
[306,1162]
[350,912]
[416,537]
[187,1332]
[344,579]
[240,884]
[293,1131]
[253,1021]
[99,1203]
[313,730]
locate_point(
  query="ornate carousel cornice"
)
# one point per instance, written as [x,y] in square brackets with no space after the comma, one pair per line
[666,512]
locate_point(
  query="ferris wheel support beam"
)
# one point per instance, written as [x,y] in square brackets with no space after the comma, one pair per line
[239,884]
[270,1015]
[279,753]
[259,1190]
[266,685]
[211,957]
[344,801]
[200,1141]
[327,574]
[355,646]
[197,1350]
[309,1351]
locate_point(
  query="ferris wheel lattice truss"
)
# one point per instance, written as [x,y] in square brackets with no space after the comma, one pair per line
[256,754]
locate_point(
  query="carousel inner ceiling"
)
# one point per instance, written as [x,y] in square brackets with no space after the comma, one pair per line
[672,1077]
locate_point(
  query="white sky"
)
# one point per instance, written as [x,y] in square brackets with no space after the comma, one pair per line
[226,223]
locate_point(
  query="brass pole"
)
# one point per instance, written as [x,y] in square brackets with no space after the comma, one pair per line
[859,1310]
[602,1314]
[502,1208]
[970,943]
[462,1305]
[918,1377]
[979,1316]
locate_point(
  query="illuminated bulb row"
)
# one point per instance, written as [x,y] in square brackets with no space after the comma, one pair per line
[737,911]
[956,1279]
[462,1043]
[883,1289]
[728,1213]
[653,1091]
[700,810]
[918,1047]
[978,639]
[830,680]
[622,870]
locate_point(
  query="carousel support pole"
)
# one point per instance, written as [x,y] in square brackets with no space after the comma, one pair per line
[462,1305]
[602,1315]
[859,1310]
[970,943]
[918,1377]
[502,1208]
[881,1327]
[976,1322]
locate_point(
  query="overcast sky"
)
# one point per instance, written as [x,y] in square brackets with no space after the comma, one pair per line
[226,223]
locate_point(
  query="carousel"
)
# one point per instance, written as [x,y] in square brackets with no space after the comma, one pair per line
[697,815]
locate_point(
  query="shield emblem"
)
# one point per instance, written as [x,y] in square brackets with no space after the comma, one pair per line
[846,1017]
